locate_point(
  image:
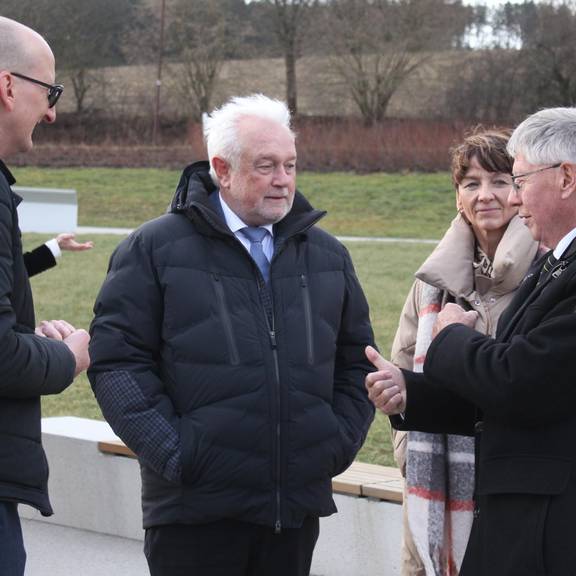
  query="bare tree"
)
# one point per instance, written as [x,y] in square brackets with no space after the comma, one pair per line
[527,61]
[291,19]
[201,37]
[84,34]
[377,44]
[548,51]
[484,86]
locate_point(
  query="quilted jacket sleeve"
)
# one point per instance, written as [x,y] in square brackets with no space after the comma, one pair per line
[351,404]
[124,346]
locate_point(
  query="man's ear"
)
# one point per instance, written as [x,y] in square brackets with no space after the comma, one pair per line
[222,169]
[568,183]
[6,90]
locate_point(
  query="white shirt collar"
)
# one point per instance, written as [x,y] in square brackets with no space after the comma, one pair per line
[562,246]
[234,222]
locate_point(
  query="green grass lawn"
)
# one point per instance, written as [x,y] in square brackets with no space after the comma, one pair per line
[358,205]
[403,205]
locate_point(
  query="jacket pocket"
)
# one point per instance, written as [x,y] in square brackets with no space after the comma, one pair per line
[189,441]
[224,314]
[307,319]
[523,475]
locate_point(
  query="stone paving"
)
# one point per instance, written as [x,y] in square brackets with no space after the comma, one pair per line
[60,551]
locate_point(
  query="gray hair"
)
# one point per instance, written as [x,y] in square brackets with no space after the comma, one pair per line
[221,126]
[16,52]
[546,137]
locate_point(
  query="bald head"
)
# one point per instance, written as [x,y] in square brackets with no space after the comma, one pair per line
[23,101]
[20,46]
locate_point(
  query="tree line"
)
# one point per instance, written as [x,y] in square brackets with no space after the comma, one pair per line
[512,60]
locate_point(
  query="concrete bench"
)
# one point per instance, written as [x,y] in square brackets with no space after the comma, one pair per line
[49,210]
[95,485]
[360,479]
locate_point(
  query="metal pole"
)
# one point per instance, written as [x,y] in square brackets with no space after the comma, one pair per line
[159,75]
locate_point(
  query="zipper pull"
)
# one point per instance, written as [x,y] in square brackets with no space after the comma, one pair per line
[273,338]
[278,527]
[303,281]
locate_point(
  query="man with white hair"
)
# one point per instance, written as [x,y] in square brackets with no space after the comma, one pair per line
[227,353]
[31,364]
[515,392]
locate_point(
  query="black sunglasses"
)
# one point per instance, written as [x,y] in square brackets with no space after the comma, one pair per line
[54,90]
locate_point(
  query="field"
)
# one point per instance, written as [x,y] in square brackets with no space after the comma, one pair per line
[405,205]
[411,205]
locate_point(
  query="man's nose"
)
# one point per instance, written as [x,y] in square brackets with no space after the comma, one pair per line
[282,177]
[50,116]
[514,198]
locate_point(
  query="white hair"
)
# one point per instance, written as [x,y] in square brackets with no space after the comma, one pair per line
[221,126]
[546,137]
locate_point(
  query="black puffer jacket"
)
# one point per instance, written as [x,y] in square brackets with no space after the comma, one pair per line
[229,418]
[30,366]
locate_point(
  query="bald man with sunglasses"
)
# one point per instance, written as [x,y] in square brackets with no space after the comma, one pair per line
[33,361]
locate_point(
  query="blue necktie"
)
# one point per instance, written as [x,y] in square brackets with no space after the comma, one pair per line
[256,235]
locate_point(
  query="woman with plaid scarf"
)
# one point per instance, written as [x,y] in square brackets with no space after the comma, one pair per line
[478,264]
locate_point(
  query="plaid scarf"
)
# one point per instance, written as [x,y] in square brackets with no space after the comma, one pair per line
[439,474]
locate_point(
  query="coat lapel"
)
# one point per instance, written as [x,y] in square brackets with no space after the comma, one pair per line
[523,296]
[529,291]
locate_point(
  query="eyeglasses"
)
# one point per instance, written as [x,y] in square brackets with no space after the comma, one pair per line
[54,90]
[518,185]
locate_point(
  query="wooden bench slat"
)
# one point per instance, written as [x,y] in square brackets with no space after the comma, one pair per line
[384,491]
[343,487]
[360,479]
[115,447]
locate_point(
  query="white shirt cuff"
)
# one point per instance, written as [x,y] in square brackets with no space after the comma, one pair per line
[54,248]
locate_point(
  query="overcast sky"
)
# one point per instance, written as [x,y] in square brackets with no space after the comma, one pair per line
[493,2]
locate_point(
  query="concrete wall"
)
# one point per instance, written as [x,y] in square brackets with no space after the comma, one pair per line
[100,492]
[47,210]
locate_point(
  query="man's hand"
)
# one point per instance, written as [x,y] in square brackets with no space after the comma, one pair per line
[454,314]
[76,340]
[78,344]
[55,329]
[66,241]
[386,387]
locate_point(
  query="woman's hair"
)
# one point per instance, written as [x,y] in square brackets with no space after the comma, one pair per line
[546,137]
[488,147]
[221,126]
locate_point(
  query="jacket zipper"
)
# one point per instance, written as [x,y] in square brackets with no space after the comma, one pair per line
[307,318]
[278,524]
[278,431]
[226,322]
